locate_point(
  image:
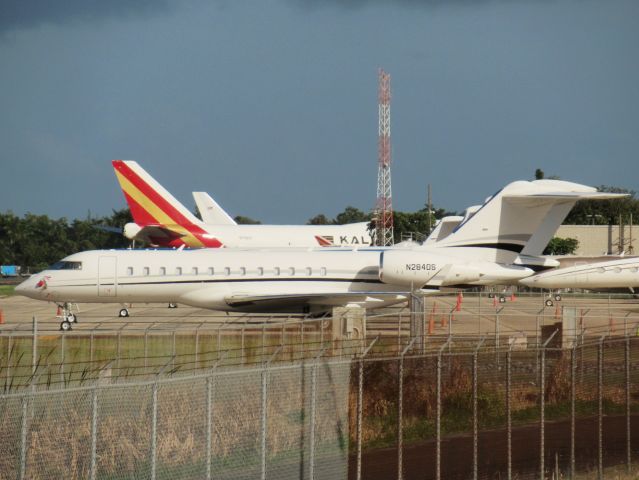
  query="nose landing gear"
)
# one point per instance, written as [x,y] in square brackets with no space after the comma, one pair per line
[67,316]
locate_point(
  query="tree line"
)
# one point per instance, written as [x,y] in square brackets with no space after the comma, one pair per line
[36,241]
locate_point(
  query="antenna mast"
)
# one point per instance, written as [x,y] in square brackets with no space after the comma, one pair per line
[384,207]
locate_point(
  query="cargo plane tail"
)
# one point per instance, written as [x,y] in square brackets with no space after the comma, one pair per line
[159,217]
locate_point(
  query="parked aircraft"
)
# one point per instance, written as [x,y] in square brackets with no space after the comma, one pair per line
[160,220]
[488,248]
[617,273]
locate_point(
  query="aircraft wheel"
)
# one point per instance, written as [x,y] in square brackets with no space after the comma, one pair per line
[491,295]
[502,299]
[65,326]
[124,312]
[549,303]
[558,298]
[71,318]
[172,305]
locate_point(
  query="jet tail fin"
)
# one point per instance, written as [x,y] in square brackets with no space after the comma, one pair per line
[522,217]
[210,210]
[150,202]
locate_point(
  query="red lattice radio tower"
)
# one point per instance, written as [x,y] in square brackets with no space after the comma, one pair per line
[384,206]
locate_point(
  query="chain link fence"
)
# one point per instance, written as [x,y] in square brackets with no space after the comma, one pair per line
[284,421]
[458,412]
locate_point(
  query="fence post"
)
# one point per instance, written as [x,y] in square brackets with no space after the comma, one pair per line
[146,345]
[94,431]
[197,343]
[475,411]
[154,419]
[263,424]
[400,406]
[313,409]
[263,338]
[627,371]
[600,408]
[209,398]
[360,400]
[119,350]
[497,332]
[439,411]
[509,412]
[542,407]
[34,345]
[91,349]
[242,346]
[154,429]
[23,438]
[573,374]
[9,341]
[174,352]
[62,352]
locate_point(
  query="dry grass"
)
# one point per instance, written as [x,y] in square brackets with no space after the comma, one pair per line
[59,426]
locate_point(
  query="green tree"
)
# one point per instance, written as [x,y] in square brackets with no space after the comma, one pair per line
[242,220]
[351,215]
[562,246]
[320,219]
[539,174]
[605,212]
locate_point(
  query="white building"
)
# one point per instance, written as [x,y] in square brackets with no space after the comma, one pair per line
[595,240]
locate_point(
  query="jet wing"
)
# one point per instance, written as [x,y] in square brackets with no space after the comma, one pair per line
[327,300]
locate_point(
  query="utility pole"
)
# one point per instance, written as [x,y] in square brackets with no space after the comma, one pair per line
[430,211]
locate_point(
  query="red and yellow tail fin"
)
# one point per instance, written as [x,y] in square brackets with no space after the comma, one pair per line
[152,204]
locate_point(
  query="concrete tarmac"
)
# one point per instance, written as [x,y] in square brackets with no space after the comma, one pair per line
[477,315]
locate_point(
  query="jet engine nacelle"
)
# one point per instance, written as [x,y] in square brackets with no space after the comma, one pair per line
[131,230]
[420,269]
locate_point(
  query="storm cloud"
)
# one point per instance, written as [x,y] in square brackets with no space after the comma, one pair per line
[19,14]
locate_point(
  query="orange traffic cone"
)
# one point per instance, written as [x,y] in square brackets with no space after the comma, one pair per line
[495,301]
[512,297]
[58,313]
[459,302]
[1,317]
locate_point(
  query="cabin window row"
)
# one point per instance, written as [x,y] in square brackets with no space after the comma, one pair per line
[226,271]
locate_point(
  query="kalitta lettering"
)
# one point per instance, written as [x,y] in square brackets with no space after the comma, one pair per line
[353,240]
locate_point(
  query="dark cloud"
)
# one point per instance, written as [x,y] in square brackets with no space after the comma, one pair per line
[19,14]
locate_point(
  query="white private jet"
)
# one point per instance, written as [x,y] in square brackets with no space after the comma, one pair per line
[161,220]
[499,244]
[617,273]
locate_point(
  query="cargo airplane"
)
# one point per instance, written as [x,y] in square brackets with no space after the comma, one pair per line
[161,220]
[500,244]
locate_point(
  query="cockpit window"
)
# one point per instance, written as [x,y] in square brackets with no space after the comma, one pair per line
[66,266]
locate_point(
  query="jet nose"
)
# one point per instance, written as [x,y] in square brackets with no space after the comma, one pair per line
[27,288]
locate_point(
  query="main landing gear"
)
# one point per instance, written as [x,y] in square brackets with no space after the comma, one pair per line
[67,316]
[549,301]
[124,312]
